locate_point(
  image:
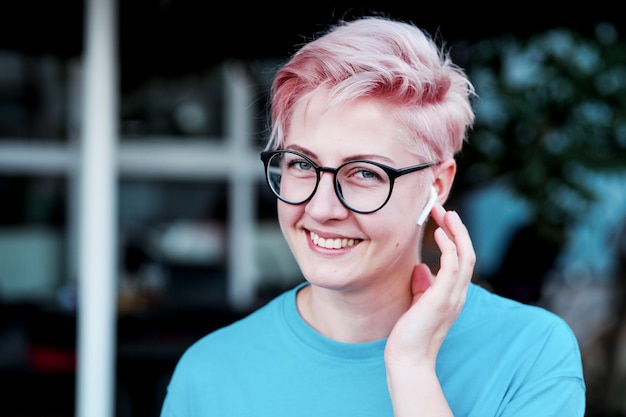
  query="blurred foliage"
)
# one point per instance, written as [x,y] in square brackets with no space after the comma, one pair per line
[551,109]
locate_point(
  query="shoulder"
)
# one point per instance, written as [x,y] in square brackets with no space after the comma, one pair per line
[482,302]
[242,334]
[514,321]
[530,339]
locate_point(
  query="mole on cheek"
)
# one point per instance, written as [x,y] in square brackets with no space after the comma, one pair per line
[397,244]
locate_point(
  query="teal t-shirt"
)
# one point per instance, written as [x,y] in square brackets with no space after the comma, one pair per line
[501,358]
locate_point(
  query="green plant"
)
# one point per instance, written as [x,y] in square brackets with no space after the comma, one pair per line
[551,110]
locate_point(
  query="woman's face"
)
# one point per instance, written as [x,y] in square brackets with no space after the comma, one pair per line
[385,243]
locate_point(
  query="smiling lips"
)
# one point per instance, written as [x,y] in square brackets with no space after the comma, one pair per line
[331,243]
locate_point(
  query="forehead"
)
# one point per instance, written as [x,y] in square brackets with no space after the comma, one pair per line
[356,127]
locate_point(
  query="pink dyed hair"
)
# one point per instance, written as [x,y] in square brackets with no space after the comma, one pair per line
[392,62]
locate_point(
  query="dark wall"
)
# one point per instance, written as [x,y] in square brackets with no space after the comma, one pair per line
[204,31]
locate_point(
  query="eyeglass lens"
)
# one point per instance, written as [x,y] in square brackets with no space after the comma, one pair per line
[363,186]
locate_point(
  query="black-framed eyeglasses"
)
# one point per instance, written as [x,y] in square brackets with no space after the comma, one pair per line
[362,186]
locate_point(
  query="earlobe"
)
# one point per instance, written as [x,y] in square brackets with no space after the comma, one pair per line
[429,206]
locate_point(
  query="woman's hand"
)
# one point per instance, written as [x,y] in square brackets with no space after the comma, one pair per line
[437,301]
[414,343]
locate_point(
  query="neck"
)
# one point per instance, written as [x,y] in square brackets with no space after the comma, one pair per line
[353,317]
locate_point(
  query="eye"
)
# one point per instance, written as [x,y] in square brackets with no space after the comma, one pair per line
[363,172]
[366,173]
[300,164]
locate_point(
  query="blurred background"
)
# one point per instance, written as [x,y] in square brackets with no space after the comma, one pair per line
[541,184]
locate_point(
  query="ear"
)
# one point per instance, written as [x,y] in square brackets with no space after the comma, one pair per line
[444,178]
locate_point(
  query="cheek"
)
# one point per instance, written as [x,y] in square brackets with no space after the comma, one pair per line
[288,215]
[393,228]
[387,228]
[401,215]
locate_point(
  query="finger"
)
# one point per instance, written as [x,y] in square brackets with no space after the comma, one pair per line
[449,260]
[421,280]
[455,274]
[457,252]
[437,214]
[457,232]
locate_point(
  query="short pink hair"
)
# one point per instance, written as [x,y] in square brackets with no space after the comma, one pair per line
[392,62]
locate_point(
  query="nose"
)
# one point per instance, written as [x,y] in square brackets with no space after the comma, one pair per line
[325,204]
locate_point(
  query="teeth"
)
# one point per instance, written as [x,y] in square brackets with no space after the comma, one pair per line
[331,243]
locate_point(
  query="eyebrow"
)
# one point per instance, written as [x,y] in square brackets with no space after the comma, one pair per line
[366,157]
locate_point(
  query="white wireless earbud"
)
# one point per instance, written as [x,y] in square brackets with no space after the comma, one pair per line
[429,206]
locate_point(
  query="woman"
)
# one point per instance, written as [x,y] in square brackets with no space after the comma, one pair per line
[365,123]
